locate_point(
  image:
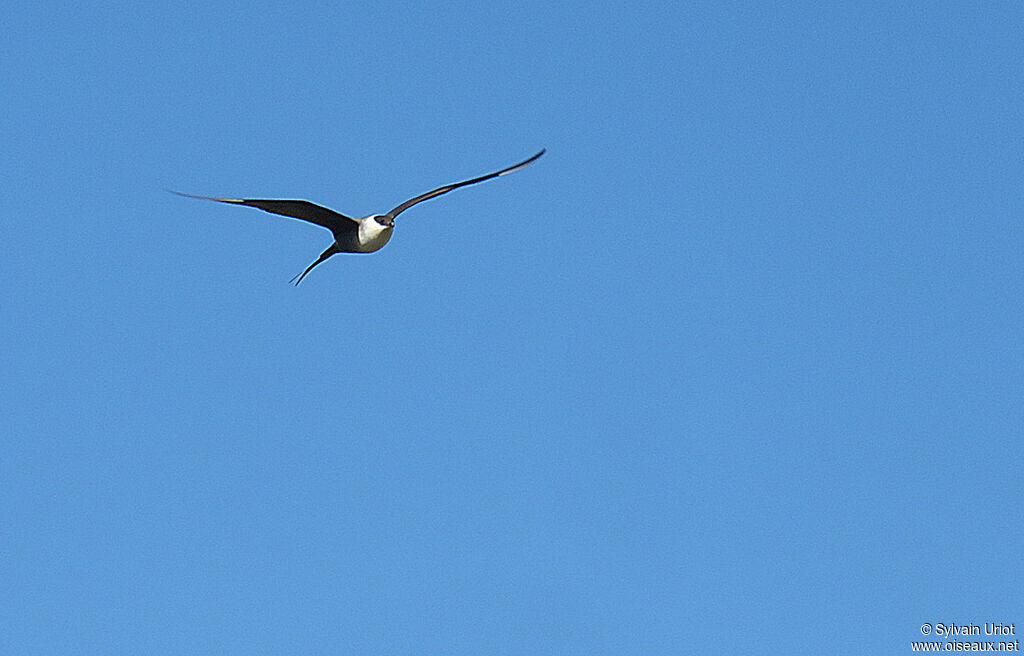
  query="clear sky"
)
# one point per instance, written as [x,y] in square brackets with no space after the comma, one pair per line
[736,367]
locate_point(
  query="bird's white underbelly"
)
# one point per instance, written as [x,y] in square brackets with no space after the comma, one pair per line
[373,236]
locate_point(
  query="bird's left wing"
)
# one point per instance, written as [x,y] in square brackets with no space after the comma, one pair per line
[445,189]
[297,209]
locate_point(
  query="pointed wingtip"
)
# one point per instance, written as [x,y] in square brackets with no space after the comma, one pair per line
[532,159]
[526,162]
[219,200]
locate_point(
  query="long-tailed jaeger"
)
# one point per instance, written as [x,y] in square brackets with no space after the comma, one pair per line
[351,235]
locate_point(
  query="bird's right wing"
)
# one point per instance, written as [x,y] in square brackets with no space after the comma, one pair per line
[297,209]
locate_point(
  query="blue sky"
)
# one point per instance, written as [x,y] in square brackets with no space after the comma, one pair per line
[736,366]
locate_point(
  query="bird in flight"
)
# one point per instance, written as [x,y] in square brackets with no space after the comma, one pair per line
[352,235]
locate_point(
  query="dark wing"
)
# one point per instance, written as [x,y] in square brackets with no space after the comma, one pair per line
[445,189]
[297,209]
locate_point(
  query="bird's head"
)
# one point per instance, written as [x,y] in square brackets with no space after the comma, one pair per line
[385,220]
